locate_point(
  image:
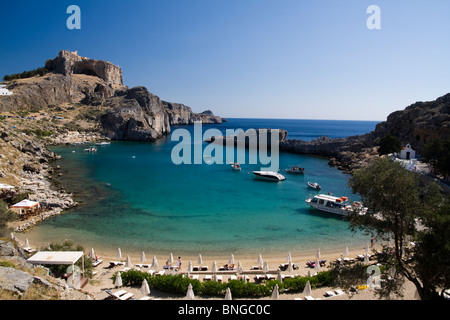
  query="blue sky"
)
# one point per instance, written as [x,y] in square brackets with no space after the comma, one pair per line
[250,58]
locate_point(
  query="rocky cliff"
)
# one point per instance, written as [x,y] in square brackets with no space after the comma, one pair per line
[121,113]
[418,124]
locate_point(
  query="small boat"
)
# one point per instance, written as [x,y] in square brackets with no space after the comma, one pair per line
[235,166]
[269,175]
[295,170]
[103,143]
[337,205]
[314,185]
[90,149]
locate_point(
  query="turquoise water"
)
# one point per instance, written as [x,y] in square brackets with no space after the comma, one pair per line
[132,196]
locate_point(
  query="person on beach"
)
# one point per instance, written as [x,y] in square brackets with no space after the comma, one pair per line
[179,263]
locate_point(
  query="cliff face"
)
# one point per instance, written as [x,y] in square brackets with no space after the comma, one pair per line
[125,114]
[419,124]
[68,63]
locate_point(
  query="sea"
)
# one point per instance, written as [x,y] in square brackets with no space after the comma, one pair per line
[133,196]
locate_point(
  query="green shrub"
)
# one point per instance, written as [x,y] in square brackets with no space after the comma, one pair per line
[178,284]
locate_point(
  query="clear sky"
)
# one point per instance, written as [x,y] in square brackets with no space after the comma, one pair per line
[299,59]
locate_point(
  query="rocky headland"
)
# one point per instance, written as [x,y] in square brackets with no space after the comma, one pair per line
[78,100]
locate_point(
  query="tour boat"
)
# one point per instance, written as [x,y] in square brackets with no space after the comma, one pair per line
[336,205]
[269,175]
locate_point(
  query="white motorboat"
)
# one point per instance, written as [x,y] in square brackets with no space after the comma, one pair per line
[314,185]
[236,166]
[269,175]
[336,205]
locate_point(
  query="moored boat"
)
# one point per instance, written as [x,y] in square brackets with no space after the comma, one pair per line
[269,176]
[336,205]
[295,170]
[235,166]
[314,185]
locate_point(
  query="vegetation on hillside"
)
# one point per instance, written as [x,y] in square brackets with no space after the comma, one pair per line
[26,74]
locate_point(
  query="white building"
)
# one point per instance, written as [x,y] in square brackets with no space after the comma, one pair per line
[407,153]
[4,91]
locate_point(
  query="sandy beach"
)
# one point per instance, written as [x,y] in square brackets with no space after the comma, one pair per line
[102,281]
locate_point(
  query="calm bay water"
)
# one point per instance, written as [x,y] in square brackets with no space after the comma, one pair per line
[132,196]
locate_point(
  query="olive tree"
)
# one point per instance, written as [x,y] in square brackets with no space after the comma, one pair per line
[407,215]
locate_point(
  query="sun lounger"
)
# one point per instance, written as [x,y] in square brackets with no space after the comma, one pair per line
[219,278]
[309,298]
[160,273]
[150,271]
[232,277]
[96,262]
[339,292]
[329,293]
[120,295]
[270,276]
[260,277]
[126,296]
[195,268]
[204,268]
[245,277]
[298,299]
[146,298]
[255,268]
[207,277]
[195,277]
[116,263]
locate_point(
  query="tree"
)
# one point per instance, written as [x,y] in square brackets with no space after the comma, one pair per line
[6,216]
[402,208]
[389,144]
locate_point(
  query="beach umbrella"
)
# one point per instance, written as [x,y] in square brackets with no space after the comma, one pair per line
[275,293]
[366,259]
[92,254]
[154,263]
[279,277]
[200,260]
[189,268]
[317,266]
[309,273]
[171,259]
[307,291]
[290,268]
[367,250]
[145,289]
[118,282]
[289,258]
[240,269]
[260,260]
[27,244]
[266,267]
[119,254]
[228,294]
[318,254]
[143,258]
[190,293]
[346,254]
[128,262]
[231,261]
[214,266]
